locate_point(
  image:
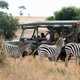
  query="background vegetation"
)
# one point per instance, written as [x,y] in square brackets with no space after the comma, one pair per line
[7,21]
[66,13]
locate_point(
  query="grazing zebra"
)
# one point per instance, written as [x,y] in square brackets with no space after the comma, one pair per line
[72,49]
[51,51]
[13,50]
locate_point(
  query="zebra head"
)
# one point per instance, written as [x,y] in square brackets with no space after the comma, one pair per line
[60,42]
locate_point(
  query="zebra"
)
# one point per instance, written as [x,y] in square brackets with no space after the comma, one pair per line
[13,50]
[51,51]
[72,49]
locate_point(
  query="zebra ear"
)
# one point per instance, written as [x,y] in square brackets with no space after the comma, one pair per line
[64,39]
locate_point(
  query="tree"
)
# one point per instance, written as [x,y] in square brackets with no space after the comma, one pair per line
[4,5]
[7,22]
[50,18]
[69,13]
[21,9]
[8,25]
[66,13]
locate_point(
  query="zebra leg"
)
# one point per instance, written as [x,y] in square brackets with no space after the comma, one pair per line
[66,60]
[41,56]
[49,58]
[78,60]
[55,61]
[34,53]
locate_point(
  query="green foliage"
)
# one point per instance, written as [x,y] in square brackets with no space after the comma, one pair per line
[7,22]
[8,25]
[3,4]
[66,13]
[50,18]
[69,13]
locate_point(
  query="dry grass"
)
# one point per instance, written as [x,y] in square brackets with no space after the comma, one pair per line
[29,68]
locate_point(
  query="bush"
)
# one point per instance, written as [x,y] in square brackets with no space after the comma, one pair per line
[8,24]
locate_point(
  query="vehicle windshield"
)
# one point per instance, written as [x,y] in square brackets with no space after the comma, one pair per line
[28,33]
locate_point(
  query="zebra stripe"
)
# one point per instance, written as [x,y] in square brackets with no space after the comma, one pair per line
[51,51]
[46,50]
[12,50]
[74,49]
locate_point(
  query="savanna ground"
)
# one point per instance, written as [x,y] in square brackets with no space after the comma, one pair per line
[30,68]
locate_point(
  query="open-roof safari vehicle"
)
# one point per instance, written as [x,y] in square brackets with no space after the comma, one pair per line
[31,34]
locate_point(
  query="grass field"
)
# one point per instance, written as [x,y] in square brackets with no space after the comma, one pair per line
[29,68]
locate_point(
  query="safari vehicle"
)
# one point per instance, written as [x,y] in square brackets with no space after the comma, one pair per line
[31,32]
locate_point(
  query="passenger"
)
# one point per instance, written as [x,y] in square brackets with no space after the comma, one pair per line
[43,37]
[50,37]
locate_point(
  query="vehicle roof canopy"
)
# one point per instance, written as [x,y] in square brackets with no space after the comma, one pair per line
[55,23]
